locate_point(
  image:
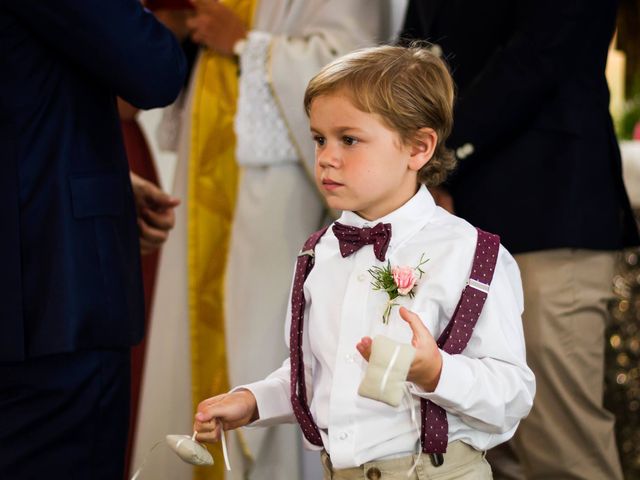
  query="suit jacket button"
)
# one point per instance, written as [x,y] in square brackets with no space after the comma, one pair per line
[465,150]
[374,473]
[436,50]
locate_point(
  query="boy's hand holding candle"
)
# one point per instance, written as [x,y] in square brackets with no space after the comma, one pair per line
[427,363]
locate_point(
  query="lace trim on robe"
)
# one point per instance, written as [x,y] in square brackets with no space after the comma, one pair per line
[262,135]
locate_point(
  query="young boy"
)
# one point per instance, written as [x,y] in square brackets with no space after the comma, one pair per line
[380,118]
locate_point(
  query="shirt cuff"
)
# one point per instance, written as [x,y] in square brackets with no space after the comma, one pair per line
[452,386]
[272,400]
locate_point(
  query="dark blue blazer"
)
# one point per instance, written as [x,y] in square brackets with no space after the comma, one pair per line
[69,253]
[532,102]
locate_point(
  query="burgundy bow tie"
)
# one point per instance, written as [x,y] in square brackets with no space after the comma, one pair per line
[352,239]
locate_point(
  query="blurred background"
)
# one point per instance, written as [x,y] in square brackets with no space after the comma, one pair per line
[623,355]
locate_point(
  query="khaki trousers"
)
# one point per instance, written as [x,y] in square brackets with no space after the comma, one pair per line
[568,434]
[460,462]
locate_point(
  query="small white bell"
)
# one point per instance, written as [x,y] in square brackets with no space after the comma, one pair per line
[189,450]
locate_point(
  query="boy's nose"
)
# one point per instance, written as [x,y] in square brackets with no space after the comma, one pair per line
[328,157]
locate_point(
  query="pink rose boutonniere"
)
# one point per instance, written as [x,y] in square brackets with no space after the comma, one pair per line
[405,278]
[397,282]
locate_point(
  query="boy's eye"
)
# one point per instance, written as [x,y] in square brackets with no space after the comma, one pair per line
[320,141]
[347,140]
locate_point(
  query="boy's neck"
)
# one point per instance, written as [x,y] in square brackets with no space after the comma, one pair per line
[388,211]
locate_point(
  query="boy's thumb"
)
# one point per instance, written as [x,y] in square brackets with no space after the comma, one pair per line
[417,327]
[202,417]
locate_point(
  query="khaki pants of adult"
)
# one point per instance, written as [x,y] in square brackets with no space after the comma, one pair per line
[568,434]
[460,462]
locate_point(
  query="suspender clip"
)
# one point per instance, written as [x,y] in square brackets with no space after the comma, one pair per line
[437,459]
[309,252]
[483,287]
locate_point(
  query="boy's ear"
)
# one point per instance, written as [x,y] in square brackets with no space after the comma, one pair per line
[422,148]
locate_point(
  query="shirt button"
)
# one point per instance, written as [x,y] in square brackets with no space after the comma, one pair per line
[349,358]
[361,277]
[343,436]
[465,150]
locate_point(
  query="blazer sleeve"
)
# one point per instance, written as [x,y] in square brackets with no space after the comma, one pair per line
[118,42]
[512,88]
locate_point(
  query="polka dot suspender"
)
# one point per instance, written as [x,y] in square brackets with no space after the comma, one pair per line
[453,339]
[298,385]
[456,335]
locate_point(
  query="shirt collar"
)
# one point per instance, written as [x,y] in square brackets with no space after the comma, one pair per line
[405,221]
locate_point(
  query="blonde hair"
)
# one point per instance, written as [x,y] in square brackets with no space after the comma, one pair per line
[409,87]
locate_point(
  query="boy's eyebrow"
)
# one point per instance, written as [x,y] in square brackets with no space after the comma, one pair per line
[337,130]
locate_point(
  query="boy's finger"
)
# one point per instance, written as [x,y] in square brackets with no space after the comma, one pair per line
[209,436]
[204,415]
[364,347]
[213,412]
[210,401]
[420,332]
[207,413]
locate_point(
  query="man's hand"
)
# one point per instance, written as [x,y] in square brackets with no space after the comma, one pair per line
[427,364]
[155,213]
[216,26]
[229,411]
[175,20]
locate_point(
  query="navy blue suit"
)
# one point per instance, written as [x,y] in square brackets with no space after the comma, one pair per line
[69,245]
[544,170]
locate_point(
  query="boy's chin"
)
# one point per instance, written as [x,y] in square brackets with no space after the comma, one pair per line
[335,204]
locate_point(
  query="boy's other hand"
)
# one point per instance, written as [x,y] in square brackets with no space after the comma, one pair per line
[229,410]
[427,364]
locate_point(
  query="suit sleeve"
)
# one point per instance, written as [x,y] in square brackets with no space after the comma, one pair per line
[118,42]
[512,88]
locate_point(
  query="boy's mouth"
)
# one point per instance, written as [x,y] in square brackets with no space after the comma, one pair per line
[329,184]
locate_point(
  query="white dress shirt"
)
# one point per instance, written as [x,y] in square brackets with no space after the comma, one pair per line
[486,390]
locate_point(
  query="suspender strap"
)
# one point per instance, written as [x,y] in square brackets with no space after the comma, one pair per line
[299,400]
[453,340]
[456,335]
